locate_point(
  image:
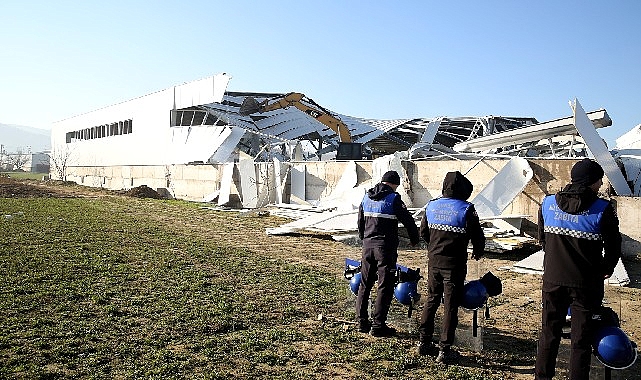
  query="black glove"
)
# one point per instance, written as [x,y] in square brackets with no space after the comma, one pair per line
[477,255]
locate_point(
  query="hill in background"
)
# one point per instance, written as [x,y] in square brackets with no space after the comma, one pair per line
[14,137]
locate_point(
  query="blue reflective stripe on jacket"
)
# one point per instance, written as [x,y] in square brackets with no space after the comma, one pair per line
[585,225]
[383,208]
[447,214]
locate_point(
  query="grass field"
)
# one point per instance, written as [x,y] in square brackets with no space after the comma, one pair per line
[115,287]
[24,175]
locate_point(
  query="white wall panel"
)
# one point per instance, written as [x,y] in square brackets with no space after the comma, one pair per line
[203,91]
[599,149]
[151,141]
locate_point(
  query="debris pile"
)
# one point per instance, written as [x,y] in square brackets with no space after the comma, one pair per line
[143,191]
[280,133]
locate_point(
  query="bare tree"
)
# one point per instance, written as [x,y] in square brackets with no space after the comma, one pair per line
[17,160]
[60,158]
[3,163]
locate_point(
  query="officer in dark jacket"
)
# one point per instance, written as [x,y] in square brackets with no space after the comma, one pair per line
[378,217]
[575,228]
[449,223]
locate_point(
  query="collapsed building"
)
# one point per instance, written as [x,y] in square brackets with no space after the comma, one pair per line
[201,122]
[197,141]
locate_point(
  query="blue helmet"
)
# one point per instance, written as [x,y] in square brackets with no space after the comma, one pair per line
[475,295]
[355,282]
[613,348]
[406,292]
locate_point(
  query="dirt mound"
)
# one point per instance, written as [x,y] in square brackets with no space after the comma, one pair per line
[143,191]
[24,188]
[12,188]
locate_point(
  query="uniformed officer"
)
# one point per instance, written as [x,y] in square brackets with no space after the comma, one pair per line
[449,224]
[378,217]
[579,233]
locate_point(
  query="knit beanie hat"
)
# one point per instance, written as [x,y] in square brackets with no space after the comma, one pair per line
[391,177]
[586,172]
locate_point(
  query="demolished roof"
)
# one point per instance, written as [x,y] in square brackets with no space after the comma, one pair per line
[631,139]
[290,133]
[521,139]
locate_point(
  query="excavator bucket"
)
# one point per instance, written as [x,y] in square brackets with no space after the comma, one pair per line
[249,106]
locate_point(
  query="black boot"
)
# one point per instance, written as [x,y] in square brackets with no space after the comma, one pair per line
[427,348]
[448,356]
[382,331]
[364,326]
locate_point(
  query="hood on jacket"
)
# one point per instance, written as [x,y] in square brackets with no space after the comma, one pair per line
[456,186]
[379,192]
[575,197]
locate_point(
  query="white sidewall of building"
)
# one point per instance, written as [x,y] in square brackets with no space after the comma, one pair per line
[152,141]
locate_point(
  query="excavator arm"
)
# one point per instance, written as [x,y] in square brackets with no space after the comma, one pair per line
[294,99]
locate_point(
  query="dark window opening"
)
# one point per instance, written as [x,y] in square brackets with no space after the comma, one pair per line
[100,131]
[198,118]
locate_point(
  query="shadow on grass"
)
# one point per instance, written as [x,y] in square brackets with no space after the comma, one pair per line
[504,352]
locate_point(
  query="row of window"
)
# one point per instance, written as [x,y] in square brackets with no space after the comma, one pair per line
[193,117]
[99,131]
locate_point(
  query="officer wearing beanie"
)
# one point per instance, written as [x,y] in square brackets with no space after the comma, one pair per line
[378,217]
[579,233]
[449,224]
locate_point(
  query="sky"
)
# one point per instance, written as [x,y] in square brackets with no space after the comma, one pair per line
[370,59]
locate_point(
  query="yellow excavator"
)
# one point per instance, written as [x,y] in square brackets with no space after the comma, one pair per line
[251,105]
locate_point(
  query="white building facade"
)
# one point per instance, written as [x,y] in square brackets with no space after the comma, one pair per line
[141,131]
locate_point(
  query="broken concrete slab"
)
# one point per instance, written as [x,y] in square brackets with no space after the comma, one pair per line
[297,176]
[392,162]
[631,160]
[499,239]
[249,189]
[329,222]
[294,211]
[279,180]
[226,183]
[503,188]
[345,195]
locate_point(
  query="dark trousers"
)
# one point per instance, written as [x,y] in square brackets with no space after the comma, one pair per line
[583,303]
[376,263]
[446,285]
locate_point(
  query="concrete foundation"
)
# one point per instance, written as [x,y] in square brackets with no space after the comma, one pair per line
[424,182]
